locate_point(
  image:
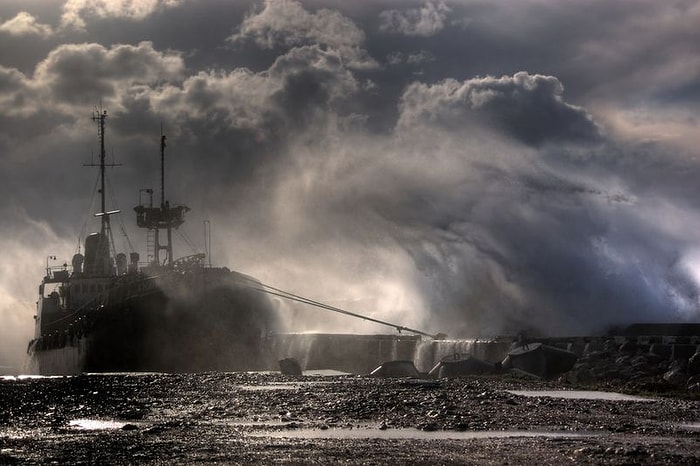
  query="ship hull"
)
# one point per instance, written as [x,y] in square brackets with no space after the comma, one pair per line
[68,360]
[174,323]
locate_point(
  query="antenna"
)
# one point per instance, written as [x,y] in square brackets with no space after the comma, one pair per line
[162,166]
[164,217]
[99,117]
[102,263]
[207,240]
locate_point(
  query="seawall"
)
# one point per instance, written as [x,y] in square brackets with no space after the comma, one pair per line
[360,354]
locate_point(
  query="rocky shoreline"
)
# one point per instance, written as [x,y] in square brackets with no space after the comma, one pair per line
[644,366]
[245,418]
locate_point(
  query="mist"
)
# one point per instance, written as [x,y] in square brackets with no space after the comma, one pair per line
[449,166]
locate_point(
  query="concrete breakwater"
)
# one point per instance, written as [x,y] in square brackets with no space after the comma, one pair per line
[360,354]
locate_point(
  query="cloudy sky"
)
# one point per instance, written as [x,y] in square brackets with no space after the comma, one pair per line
[467,167]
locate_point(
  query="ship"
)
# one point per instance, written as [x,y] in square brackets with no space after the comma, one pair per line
[111,312]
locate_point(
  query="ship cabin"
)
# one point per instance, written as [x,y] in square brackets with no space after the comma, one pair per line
[68,292]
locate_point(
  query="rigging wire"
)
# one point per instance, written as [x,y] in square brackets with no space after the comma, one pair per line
[83,228]
[261,287]
[186,238]
[126,241]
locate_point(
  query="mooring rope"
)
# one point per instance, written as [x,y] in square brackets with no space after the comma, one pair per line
[262,287]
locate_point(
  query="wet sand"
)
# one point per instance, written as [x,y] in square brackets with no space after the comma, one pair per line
[267,418]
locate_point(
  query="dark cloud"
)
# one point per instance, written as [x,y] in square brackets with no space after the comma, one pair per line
[287,24]
[16,95]
[83,73]
[527,107]
[427,20]
[418,161]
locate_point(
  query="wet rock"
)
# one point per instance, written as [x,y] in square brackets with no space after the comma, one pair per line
[396,369]
[694,365]
[461,365]
[639,361]
[428,427]
[628,347]
[654,358]
[661,350]
[684,351]
[694,380]
[521,374]
[610,346]
[422,383]
[596,355]
[287,417]
[580,375]
[676,374]
[623,360]
[540,360]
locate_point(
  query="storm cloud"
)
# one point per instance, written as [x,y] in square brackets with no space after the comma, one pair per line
[469,167]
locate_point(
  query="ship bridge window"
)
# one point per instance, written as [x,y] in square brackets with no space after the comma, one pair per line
[47,291]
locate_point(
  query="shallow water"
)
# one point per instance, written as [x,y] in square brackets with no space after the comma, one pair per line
[689,425]
[95,424]
[416,434]
[579,395]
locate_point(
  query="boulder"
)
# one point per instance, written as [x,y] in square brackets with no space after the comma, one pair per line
[290,366]
[694,365]
[676,374]
[540,360]
[396,369]
[684,351]
[661,350]
[461,365]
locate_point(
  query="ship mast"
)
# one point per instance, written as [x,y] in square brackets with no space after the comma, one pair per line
[99,118]
[164,217]
[165,205]
[98,261]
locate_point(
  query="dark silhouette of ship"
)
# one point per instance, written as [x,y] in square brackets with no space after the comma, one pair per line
[110,313]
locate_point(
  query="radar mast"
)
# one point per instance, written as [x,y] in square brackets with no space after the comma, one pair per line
[164,217]
[99,245]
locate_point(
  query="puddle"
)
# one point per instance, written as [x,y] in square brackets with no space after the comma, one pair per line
[283,385]
[272,386]
[95,424]
[262,424]
[32,377]
[130,374]
[579,395]
[689,425]
[325,373]
[415,434]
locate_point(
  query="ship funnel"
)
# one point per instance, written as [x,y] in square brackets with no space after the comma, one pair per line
[97,260]
[134,262]
[121,263]
[77,263]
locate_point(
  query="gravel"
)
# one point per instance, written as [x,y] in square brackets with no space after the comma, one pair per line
[245,418]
